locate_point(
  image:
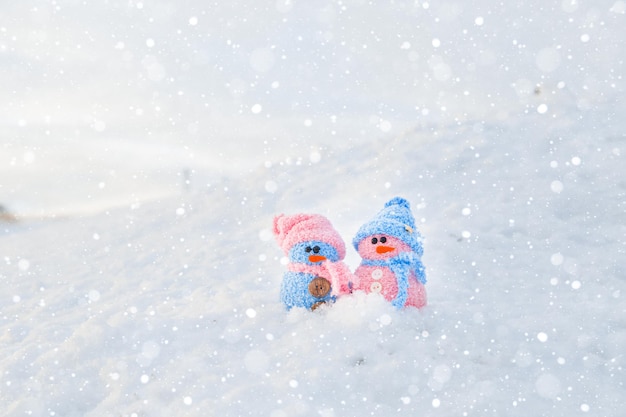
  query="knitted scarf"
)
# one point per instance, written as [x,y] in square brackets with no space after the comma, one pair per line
[319,270]
[401,266]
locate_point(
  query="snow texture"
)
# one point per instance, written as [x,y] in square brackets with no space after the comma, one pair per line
[146,146]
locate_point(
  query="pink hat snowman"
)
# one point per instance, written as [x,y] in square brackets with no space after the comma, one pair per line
[316,273]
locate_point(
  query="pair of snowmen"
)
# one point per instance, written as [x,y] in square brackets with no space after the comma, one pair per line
[390,247]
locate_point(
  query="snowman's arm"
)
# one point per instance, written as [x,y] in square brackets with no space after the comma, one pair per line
[340,277]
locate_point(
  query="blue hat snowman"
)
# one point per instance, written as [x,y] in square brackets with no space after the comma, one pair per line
[396,220]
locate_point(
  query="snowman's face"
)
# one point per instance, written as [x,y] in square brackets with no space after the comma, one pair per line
[381,247]
[313,252]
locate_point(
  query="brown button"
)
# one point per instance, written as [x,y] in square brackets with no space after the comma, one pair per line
[319,287]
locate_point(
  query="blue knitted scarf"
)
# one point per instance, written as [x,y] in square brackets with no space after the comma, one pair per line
[401,266]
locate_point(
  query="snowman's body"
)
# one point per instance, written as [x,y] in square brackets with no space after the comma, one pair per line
[382,280]
[295,291]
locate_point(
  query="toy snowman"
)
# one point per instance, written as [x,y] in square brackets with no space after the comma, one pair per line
[315,272]
[391,249]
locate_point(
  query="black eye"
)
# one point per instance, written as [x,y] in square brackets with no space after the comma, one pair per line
[308,249]
[383,239]
[374,241]
[316,249]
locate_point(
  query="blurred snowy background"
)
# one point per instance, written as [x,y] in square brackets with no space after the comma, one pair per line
[105,103]
[145,147]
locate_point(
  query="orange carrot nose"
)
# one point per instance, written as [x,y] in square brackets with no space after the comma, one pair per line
[316,258]
[384,249]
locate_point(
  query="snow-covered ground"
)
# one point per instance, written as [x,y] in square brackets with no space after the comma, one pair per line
[146,146]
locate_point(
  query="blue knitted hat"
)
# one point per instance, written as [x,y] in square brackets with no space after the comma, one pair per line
[394,220]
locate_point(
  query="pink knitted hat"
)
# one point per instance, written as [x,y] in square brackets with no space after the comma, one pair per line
[291,230]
